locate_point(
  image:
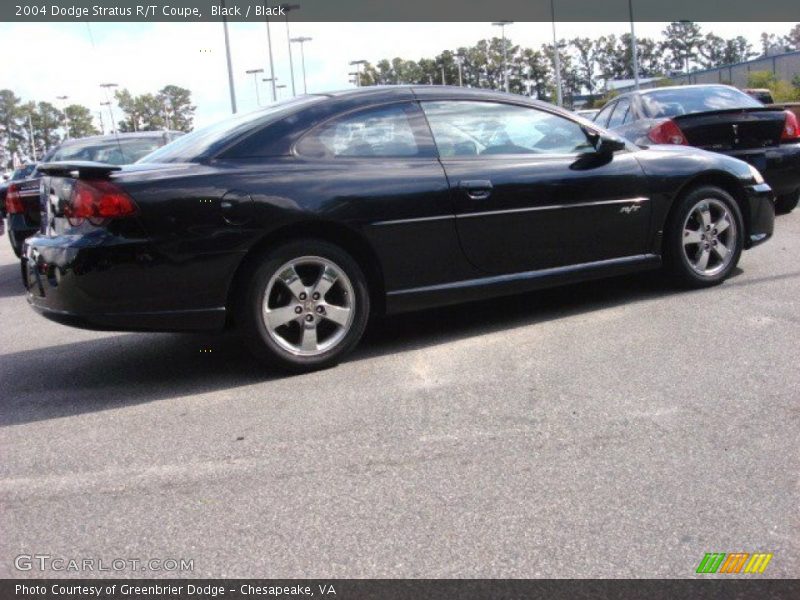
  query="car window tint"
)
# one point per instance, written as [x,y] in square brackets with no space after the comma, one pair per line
[619,114]
[211,139]
[683,101]
[121,152]
[602,117]
[385,131]
[469,128]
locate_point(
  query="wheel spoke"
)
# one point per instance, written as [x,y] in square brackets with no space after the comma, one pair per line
[292,280]
[337,314]
[280,316]
[326,280]
[702,260]
[721,250]
[690,236]
[722,224]
[309,341]
[705,215]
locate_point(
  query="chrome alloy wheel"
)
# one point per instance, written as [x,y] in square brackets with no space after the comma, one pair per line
[308,306]
[709,237]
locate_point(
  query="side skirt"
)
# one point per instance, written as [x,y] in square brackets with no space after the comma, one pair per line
[514,283]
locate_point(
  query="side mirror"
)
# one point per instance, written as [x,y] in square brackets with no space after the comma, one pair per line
[608,145]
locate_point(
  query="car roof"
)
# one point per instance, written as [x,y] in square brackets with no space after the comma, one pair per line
[377,93]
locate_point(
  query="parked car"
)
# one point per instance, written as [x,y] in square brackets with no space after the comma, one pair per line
[763,95]
[588,113]
[16,175]
[22,209]
[719,118]
[296,222]
[13,210]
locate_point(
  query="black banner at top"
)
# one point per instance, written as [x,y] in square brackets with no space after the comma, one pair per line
[397,11]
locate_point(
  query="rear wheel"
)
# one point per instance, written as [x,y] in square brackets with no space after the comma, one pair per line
[786,203]
[704,237]
[305,306]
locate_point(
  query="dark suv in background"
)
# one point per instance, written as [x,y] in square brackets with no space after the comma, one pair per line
[21,200]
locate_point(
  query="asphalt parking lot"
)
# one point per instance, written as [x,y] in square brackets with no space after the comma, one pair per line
[613,429]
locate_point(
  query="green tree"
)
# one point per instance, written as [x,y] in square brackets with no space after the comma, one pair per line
[793,38]
[738,50]
[12,133]
[712,51]
[80,120]
[681,42]
[169,107]
[47,121]
[538,71]
[179,107]
[586,61]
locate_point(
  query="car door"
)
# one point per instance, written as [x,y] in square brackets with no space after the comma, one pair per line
[530,191]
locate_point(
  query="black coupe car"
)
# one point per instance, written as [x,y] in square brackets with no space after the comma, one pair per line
[719,118]
[296,222]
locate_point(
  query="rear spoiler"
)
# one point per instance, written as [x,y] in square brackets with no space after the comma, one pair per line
[77,169]
[729,111]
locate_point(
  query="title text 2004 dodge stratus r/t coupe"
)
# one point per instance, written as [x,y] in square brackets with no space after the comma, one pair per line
[296,222]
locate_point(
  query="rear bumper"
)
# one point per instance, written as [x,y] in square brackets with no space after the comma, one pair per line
[761,217]
[780,166]
[110,283]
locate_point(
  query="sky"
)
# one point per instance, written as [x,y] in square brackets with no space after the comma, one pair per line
[72,59]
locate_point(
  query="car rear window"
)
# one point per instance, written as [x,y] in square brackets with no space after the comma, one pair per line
[115,152]
[208,140]
[685,101]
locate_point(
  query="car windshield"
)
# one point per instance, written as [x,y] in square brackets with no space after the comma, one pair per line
[685,101]
[123,151]
[204,141]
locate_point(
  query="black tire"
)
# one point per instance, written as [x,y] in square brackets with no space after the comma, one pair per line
[16,246]
[676,260]
[250,321]
[787,203]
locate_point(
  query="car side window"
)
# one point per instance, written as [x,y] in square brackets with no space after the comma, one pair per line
[384,131]
[619,114]
[602,117]
[472,128]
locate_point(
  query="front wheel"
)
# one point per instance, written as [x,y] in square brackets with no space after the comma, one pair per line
[704,237]
[305,307]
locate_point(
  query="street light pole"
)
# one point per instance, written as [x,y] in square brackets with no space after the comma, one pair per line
[556,57]
[66,117]
[272,77]
[502,26]
[459,61]
[228,58]
[287,8]
[106,87]
[358,64]
[33,140]
[635,59]
[280,87]
[302,40]
[254,73]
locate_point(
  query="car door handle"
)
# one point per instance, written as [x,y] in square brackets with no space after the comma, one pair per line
[477,189]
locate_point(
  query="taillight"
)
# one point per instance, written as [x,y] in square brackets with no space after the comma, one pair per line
[14,204]
[791,131]
[667,132]
[98,200]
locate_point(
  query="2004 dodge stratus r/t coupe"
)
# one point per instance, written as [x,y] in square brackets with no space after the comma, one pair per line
[296,222]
